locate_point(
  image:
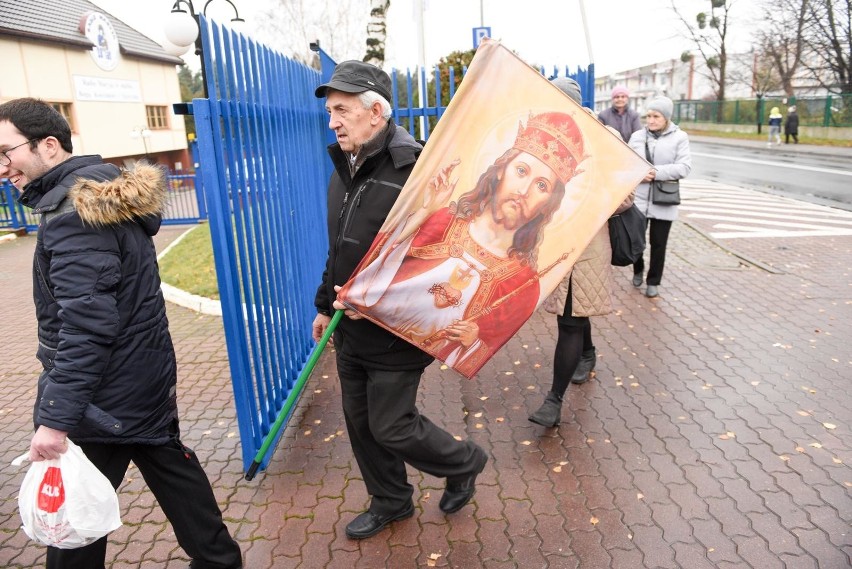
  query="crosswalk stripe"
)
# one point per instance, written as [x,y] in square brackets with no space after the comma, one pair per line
[737,213]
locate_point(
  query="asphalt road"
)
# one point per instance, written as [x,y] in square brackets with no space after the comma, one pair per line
[816,174]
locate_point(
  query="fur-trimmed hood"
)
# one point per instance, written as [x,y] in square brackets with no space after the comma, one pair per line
[100,193]
[134,194]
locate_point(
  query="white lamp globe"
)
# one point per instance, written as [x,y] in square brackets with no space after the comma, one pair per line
[172,49]
[181,28]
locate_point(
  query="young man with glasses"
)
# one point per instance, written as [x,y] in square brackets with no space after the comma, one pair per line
[109,369]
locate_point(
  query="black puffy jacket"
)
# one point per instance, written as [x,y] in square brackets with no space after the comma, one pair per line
[357,208]
[109,364]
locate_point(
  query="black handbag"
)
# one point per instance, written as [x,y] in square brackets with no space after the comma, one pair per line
[627,236]
[665,193]
[662,192]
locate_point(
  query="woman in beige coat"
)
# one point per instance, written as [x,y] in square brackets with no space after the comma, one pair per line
[584,292]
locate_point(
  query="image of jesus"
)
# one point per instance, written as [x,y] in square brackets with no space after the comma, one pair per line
[466,279]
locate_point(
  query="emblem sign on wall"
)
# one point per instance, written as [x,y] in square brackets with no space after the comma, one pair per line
[98,29]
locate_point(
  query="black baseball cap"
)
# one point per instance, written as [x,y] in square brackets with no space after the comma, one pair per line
[356,77]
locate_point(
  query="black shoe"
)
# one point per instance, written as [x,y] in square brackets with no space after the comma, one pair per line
[368,523]
[550,412]
[584,369]
[459,492]
[637,280]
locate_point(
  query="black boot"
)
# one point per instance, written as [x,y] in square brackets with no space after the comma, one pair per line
[584,369]
[550,412]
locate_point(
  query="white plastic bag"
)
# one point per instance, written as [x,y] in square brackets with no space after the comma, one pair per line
[67,502]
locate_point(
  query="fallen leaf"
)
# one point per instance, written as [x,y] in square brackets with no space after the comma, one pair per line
[830,426]
[435,556]
[478,414]
[445,366]
[755,383]
[530,387]
[526,443]
[517,362]
[425,497]
[815,445]
[318,421]
[803,413]
[479,425]
[639,495]
[509,373]
[590,441]
[634,384]
[800,449]
[458,438]
[499,419]
[483,398]
[206,432]
[317,391]
[594,521]
[536,366]
[724,437]
[563,462]
[232,434]
[557,469]
[784,457]
[836,460]
[308,432]
[730,434]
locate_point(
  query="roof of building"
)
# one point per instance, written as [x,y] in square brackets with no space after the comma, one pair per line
[51,21]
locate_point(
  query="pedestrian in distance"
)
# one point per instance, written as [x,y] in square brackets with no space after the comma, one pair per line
[379,372]
[667,148]
[791,126]
[620,116]
[775,118]
[583,292]
[109,369]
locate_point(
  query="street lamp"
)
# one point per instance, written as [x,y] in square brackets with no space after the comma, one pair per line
[182,30]
[144,133]
[181,27]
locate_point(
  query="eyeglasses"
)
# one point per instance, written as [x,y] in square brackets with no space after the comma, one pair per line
[5,160]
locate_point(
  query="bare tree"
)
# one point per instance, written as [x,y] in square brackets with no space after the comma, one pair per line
[709,33]
[781,41]
[377,32]
[828,34]
[290,25]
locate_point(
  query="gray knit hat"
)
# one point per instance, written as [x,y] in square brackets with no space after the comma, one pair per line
[662,105]
[569,87]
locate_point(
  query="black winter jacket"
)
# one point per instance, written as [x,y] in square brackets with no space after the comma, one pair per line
[357,208]
[109,364]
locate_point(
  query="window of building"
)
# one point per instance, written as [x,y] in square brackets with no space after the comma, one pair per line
[64,109]
[158,117]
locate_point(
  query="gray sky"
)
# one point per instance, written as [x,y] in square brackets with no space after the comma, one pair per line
[624,33]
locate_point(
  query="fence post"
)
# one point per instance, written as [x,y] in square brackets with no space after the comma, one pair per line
[826,116]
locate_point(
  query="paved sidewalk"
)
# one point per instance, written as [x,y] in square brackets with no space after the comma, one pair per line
[716,433]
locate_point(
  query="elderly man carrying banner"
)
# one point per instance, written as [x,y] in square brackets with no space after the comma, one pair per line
[379,374]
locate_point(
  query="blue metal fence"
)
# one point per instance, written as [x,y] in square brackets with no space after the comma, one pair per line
[185,204]
[261,142]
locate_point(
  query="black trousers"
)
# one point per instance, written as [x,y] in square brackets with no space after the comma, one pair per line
[387,431]
[787,136]
[658,239]
[181,487]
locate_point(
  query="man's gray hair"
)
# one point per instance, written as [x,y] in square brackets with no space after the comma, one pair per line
[367,99]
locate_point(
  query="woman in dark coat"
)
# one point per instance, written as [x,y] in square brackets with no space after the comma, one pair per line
[791,126]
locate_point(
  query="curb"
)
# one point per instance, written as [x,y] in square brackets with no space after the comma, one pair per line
[183,298]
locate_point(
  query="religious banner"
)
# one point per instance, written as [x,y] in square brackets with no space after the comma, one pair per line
[514,182]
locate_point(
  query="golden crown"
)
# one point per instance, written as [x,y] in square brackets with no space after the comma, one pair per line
[555,139]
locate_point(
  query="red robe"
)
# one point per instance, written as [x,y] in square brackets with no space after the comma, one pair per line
[507,295]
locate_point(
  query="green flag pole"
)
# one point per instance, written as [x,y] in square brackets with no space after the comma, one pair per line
[294,394]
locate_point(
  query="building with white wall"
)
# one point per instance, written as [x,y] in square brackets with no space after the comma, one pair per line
[114,85]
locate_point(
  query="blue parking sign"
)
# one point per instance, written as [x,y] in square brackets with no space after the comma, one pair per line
[479,34]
